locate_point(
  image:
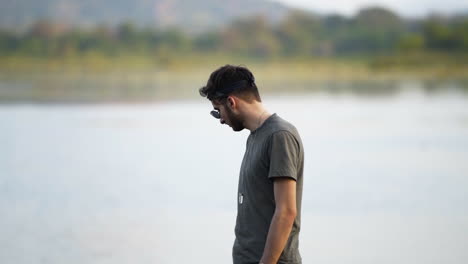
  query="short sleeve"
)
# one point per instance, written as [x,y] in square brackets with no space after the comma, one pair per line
[284,155]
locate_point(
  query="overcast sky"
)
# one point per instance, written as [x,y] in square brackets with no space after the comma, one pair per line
[403,7]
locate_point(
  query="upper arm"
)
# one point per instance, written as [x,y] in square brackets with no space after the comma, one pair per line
[285,195]
[284,154]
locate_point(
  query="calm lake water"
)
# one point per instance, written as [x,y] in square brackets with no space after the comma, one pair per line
[386,180]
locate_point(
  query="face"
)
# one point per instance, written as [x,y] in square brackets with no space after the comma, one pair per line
[227,116]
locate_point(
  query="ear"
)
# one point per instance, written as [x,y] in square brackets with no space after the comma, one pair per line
[231,102]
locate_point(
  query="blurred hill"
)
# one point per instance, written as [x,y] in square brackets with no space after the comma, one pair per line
[190,15]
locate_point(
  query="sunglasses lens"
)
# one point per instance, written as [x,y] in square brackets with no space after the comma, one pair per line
[215,114]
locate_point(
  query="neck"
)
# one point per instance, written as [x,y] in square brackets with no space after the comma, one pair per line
[255,115]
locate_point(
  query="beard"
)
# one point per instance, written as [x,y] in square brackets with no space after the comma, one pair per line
[234,122]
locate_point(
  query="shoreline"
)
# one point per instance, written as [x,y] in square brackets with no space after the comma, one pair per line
[386,67]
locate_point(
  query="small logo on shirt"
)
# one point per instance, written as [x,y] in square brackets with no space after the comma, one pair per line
[241,198]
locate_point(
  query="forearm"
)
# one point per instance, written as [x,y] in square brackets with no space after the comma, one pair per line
[280,228]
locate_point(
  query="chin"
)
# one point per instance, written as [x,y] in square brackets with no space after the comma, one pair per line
[237,128]
[236,124]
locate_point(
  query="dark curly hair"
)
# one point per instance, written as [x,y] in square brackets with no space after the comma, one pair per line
[231,80]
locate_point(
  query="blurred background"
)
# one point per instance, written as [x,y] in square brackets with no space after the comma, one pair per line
[109,155]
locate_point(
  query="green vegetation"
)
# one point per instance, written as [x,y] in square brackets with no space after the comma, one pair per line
[373,31]
[369,53]
[375,44]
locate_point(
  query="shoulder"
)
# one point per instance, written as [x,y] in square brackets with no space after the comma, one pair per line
[281,133]
[278,127]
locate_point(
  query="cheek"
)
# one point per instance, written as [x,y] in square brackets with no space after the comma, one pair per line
[225,114]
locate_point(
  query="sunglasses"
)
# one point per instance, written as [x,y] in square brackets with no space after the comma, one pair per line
[215,114]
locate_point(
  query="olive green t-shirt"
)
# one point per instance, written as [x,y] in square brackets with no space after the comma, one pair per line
[273,150]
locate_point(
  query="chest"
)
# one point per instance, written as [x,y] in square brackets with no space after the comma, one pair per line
[255,164]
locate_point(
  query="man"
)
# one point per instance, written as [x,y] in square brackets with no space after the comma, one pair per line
[270,181]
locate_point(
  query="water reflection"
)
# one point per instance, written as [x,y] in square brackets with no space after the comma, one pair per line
[160,86]
[130,183]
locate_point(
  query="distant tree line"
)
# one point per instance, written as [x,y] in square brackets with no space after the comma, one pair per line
[371,31]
